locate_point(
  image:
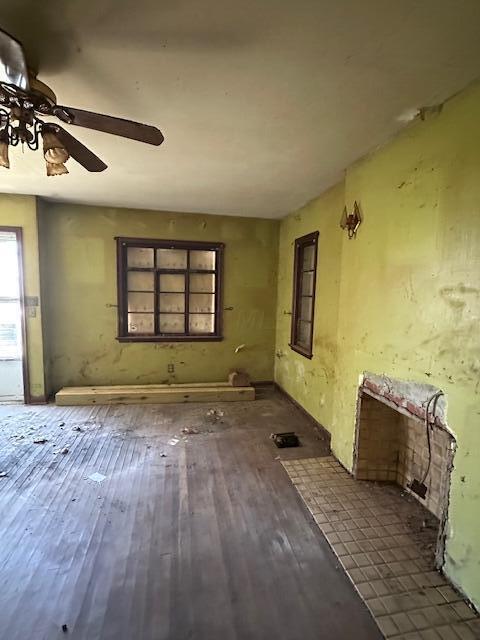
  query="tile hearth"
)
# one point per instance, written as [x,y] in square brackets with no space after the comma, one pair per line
[385,541]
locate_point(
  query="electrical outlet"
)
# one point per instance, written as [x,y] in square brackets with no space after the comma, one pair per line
[171,368]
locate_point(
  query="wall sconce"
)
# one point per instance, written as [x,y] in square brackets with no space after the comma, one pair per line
[351,221]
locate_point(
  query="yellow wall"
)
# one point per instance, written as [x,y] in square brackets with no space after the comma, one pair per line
[409,297]
[402,299]
[311,382]
[21,211]
[79,277]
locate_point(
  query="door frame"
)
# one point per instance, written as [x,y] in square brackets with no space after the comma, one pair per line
[18,231]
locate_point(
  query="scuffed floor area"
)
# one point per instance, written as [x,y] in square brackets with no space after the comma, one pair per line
[164,522]
[385,541]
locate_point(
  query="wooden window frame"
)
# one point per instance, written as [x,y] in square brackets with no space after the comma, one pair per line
[311,239]
[123,243]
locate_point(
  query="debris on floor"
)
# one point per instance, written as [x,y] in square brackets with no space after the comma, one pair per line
[40,440]
[216,414]
[63,451]
[3,474]
[64,628]
[287,439]
[238,378]
[97,477]
[190,431]
[173,441]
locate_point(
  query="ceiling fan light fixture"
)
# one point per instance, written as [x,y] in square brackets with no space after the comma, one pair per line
[54,151]
[4,160]
[25,101]
[56,169]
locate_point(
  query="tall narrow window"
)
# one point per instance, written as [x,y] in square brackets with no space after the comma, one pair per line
[169,290]
[304,278]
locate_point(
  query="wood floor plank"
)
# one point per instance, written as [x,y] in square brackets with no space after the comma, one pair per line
[204,539]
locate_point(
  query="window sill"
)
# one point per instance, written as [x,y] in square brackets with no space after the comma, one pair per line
[169,338]
[301,351]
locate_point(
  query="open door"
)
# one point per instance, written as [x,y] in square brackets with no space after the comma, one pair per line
[13,366]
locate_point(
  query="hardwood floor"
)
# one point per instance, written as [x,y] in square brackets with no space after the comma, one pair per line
[202,539]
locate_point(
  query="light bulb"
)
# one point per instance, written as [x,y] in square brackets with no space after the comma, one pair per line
[56,169]
[4,161]
[53,150]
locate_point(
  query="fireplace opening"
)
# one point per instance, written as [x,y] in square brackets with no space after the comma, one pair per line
[393,446]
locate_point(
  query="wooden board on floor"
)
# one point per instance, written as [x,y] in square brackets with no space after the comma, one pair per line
[153,394]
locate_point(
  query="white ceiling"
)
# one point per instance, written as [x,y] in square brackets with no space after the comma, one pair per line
[263,103]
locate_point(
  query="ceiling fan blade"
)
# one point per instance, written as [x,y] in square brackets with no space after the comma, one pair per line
[76,149]
[13,67]
[109,124]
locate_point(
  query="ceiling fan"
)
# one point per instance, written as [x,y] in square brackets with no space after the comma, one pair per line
[24,100]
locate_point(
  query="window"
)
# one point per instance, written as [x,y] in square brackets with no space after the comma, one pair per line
[169,290]
[304,277]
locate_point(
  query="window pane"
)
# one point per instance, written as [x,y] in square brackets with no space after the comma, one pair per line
[171,258]
[9,281]
[303,334]
[201,323]
[307,284]
[140,323]
[138,257]
[172,282]
[306,308]
[172,323]
[202,303]
[202,282]
[140,281]
[10,330]
[308,257]
[158,275]
[172,302]
[202,260]
[140,302]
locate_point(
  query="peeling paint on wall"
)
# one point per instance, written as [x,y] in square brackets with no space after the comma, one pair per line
[80,283]
[406,295]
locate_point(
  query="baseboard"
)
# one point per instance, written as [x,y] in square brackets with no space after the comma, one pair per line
[37,400]
[263,383]
[323,432]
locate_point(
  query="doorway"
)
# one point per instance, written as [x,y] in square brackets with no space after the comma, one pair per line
[13,367]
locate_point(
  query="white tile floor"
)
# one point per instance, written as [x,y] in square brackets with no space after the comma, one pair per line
[385,542]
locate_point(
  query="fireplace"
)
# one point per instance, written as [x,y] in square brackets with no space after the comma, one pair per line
[391,443]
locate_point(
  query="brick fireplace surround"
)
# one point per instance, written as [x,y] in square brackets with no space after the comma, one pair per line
[391,443]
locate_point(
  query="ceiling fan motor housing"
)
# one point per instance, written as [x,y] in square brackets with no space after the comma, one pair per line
[44,93]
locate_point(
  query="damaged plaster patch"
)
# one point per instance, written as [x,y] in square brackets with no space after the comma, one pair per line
[408,395]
